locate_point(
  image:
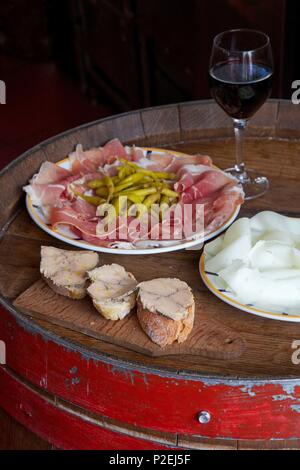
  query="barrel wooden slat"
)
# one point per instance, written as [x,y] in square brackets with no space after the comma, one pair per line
[14,436]
[59,148]
[264,122]
[288,121]
[13,178]
[203,120]
[129,126]
[161,125]
[262,378]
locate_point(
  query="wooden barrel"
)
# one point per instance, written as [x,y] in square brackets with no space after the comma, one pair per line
[74,391]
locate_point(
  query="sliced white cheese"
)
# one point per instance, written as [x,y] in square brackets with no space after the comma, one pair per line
[67,268]
[281,273]
[258,259]
[271,255]
[236,244]
[254,287]
[279,236]
[168,296]
[214,247]
[112,290]
[267,220]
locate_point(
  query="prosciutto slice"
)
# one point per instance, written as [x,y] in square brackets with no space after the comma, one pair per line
[195,183]
[114,148]
[84,161]
[45,194]
[47,186]
[83,226]
[173,163]
[84,208]
[68,216]
[222,206]
[50,173]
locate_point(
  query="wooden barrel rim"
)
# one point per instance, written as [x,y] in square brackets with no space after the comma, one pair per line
[290,133]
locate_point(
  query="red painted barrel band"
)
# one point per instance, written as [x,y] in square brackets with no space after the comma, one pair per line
[239,409]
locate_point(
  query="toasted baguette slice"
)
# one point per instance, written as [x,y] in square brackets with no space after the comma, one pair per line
[66,271]
[113,291]
[74,292]
[166,310]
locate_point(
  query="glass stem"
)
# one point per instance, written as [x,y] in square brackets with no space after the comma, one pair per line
[239,132]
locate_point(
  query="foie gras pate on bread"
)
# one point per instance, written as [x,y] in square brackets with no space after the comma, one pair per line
[66,271]
[166,310]
[113,291]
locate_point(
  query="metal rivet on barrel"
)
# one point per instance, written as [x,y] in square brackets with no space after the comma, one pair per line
[204,417]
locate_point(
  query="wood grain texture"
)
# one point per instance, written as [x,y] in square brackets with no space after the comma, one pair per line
[203,119]
[288,120]
[208,338]
[59,148]
[14,436]
[161,125]
[14,177]
[128,127]
[204,128]
[264,122]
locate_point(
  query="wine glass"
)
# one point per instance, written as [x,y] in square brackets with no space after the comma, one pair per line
[241,70]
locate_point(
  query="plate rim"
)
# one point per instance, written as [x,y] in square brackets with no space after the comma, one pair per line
[238,305]
[123,251]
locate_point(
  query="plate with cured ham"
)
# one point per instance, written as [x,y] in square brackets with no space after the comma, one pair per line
[133,200]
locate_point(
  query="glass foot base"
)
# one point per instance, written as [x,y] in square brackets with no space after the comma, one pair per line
[254,184]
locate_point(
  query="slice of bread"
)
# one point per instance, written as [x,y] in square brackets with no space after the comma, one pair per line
[113,291]
[66,271]
[165,310]
[74,292]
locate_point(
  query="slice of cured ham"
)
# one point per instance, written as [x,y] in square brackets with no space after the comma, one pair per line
[173,163]
[221,208]
[83,161]
[45,194]
[196,183]
[50,173]
[68,216]
[83,225]
[47,186]
[114,148]
[83,207]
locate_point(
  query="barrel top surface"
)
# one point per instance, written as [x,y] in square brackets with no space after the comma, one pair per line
[272,146]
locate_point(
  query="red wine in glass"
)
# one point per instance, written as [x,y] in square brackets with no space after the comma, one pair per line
[240,90]
[240,74]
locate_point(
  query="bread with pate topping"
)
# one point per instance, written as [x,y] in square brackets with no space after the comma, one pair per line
[66,271]
[113,291]
[165,310]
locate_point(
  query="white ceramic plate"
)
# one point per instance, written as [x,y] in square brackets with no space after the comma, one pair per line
[218,288]
[37,216]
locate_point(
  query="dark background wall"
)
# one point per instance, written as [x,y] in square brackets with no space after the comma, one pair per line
[69,61]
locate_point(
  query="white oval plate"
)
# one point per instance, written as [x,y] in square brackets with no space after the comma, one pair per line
[65,236]
[214,284]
